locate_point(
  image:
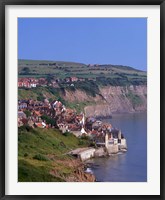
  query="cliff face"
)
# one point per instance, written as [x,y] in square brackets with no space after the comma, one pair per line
[125,99]
[81,96]
[112,99]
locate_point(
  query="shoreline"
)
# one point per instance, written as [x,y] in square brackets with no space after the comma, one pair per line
[89,164]
[119,113]
[85,154]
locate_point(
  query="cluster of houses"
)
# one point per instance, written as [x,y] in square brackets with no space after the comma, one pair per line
[34,82]
[27,82]
[31,112]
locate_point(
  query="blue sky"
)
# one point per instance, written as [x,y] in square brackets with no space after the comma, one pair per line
[119,41]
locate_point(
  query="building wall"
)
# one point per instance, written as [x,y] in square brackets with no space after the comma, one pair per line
[85,155]
[123,144]
[112,148]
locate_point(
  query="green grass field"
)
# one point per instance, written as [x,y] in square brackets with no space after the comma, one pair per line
[43,151]
[60,69]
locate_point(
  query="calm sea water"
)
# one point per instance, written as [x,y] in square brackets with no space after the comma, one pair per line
[132,165]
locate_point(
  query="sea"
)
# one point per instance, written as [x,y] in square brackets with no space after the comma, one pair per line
[130,166]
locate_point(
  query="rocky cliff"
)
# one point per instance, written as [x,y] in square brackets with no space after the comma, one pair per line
[78,174]
[111,99]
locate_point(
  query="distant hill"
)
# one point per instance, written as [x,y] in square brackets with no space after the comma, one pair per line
[40,62]
[61,69]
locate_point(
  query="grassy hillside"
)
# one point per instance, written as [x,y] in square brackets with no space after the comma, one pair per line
[42,155]
[34,68]
[38,93]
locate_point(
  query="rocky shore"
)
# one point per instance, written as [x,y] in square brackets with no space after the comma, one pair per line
[79,173]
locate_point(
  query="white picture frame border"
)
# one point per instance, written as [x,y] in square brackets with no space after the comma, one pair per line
[152,186]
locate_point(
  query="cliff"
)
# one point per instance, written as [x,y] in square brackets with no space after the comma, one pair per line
[102,102]
[111,99]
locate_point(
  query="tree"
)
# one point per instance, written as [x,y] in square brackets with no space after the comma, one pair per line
[26,70]
[28,113]
[49,120]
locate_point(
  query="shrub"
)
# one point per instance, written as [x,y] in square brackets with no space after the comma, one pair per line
[135,99]
[81,142]
[28,113]
[66,133]
[49,120]
[25,70]
[25,128]
[40,98]
[26,154]
[90,87]
[85,137]
[40,157]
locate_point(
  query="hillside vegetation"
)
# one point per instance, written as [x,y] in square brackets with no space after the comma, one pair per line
[42,155]
[127,86]
[111,99]
[103,74]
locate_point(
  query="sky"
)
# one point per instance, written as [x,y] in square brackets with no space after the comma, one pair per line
[118,41]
